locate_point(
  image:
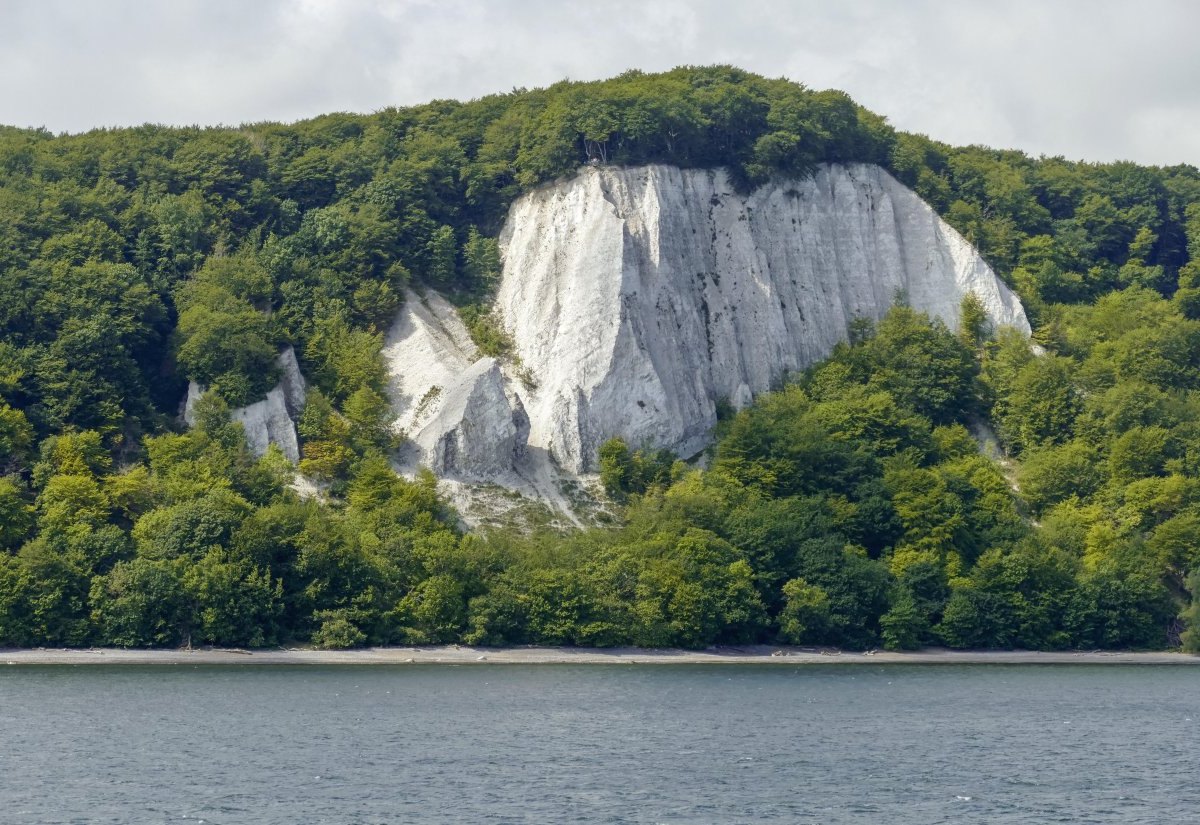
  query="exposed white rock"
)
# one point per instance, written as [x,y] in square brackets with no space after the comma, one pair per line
[295,388]
[268,422]
[451,404]
[271,420]
[475,433]
[426,351]
[638,298]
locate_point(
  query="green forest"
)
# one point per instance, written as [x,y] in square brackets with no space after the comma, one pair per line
[852,508]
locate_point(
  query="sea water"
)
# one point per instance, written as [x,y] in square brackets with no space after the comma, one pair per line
[604,743]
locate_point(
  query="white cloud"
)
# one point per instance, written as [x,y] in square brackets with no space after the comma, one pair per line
[1098,79]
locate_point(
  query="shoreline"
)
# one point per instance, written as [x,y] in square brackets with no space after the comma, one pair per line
[462,655]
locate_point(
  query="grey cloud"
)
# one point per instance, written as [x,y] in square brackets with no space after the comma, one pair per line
[1094,79]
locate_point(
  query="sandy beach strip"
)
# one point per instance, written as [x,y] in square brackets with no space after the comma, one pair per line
[461,655]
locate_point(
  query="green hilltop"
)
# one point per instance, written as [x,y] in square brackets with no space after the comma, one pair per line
[851,508]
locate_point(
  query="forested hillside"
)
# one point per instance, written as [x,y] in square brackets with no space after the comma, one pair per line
[852,508]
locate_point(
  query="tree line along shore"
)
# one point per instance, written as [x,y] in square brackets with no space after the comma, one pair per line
[464,655]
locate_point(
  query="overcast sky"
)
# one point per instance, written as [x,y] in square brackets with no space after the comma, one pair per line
[1089,79]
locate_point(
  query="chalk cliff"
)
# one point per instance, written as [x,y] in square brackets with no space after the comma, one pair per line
[639,298]
[271,420]
[454,407]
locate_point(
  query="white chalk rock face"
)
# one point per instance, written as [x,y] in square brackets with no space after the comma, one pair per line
[426,351]
[641,297]
[453,406]
[271,420]
[474,434]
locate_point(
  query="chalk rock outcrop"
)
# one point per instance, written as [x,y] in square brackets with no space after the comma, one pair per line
[639,298]
[475,432]
[271,420]
[453,406]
